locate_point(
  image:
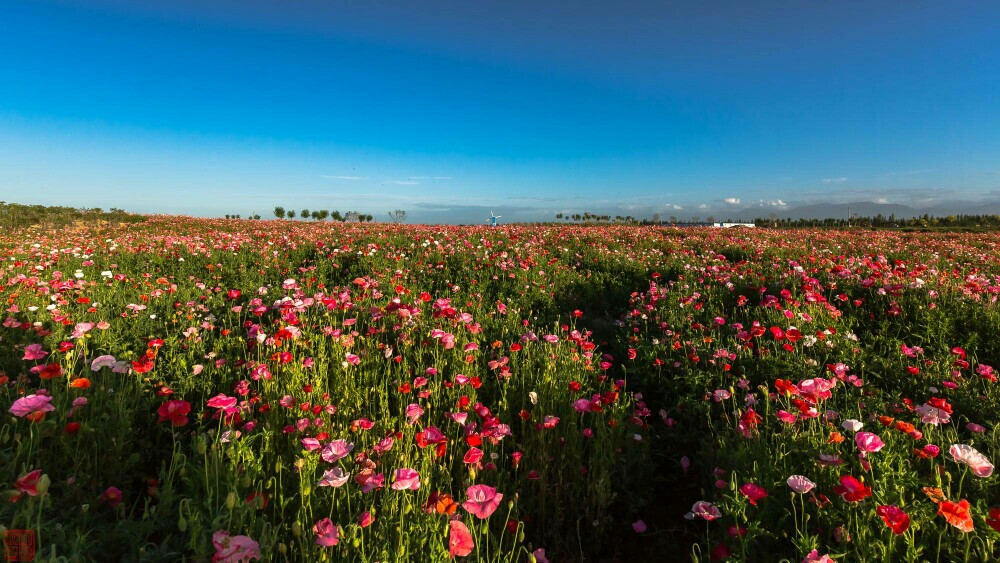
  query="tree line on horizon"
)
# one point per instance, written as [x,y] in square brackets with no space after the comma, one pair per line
[323,215]
[880,221]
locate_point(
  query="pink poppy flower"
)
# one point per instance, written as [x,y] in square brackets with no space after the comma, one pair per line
[639,526]
[365,519]
[336,450]
[327,533]
[370,482]
[310,444]
[34,352]
[222,401]
[112,495]
[102,362]
[800,484]
[976,428]
[473,455]
[460,541]
[786,417]
[968,455]
[482,500]
[406,479]
[868,442]
[233,549]
[539,555]
[753,492]
[31,405]
[334,477]
[704,510]
[413,412]
[815,557]
[28,483]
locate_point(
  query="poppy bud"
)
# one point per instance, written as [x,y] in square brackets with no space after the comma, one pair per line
[182,524]
[43,484]
[230,500]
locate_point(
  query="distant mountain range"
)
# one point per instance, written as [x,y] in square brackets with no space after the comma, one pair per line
[868,209]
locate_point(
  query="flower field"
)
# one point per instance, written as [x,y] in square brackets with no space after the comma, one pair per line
[233,390]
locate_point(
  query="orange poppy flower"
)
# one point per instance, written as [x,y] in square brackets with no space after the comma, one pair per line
[935,494]
[957,514]
[80,383]
[835,438]
[445,504]
[886,420]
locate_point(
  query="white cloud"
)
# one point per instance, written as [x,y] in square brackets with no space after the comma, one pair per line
[403,182]
[703,206]
[732,200]
[881,200]
[906,172]
[834,180]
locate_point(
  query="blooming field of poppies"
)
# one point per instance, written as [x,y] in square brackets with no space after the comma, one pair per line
[236,390]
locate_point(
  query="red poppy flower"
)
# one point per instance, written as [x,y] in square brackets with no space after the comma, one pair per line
[957,514]
[894,517]
[851,489]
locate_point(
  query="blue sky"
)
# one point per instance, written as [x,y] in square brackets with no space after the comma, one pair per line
[449,109]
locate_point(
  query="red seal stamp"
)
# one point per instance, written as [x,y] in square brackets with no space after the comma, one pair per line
[19,545]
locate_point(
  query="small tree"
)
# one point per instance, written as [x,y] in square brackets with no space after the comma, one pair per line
[323,214]
[336,215]
[304,214]
[291,213]
[397,215]
[279,212]
[315,214]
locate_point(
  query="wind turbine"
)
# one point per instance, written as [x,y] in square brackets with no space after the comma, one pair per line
[493,218]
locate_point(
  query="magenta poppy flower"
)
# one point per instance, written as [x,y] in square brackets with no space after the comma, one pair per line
[31,404]
[406,480]
[112,495]
[327,533]
[753,492]
[222,401]
[894,517]
[34,352]
[482,500]
[460,542]
[868,442]
[786,417]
